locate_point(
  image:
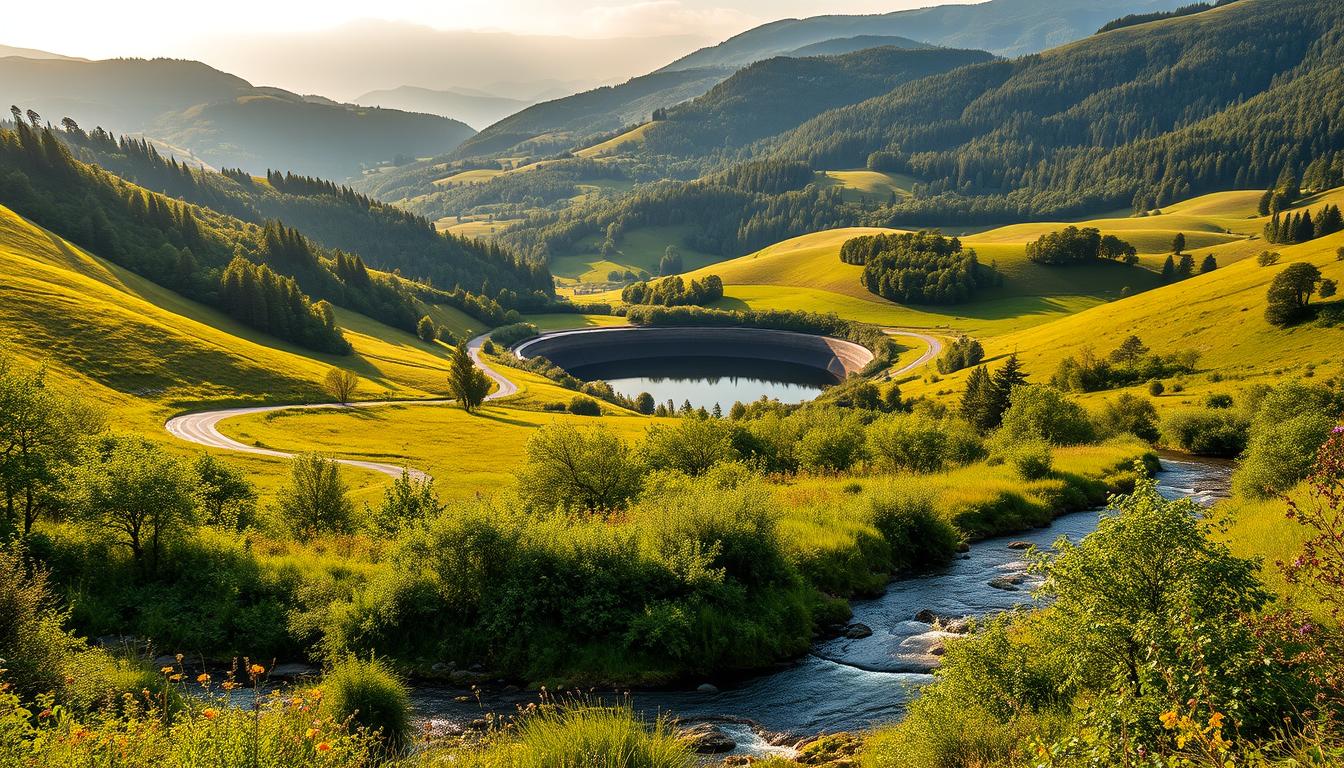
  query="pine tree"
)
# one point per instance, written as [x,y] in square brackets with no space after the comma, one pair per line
[1210,264]
[977,402]
[1178,243]
[1006,379]
[1169,269]
[1185,267]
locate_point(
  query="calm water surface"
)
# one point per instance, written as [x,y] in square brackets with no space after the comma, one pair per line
[705,381]
[848,684]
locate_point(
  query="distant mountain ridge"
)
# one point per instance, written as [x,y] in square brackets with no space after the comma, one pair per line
[1003,27]
[220,118]
[473,108]
[841,45]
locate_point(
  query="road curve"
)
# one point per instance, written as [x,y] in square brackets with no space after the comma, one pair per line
[935,348]
[203,428]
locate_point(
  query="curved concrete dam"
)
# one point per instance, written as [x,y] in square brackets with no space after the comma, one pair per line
[599,346]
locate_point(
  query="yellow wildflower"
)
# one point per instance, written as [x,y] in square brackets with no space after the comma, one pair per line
[1169,719]
[209,713]
[1216,720]
[203,678]
[323,746]
[256,670]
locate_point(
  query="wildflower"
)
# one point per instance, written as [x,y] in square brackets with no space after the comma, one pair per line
[175,677]
[44,714]
[209,713]
[1169,719]
[256,670]
[1216,720]
[323,746]
[310,734]
[228,685]
[203,678]
[168,670]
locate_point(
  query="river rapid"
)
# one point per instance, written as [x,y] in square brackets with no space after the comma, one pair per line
[853,684]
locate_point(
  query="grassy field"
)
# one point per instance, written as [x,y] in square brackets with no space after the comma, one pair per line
[639,249]
[612,146]
[862,185]
[474,176]
[479,227]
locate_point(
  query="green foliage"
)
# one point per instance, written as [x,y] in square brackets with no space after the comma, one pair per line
[33,640]
[582,405]
[135,493]
[1072,245]
[917,442]
[407,502]
[1288,427]
[1031,459]
[592,470]
[1043,413]
[1128,364]
[40,432]
[227,498]
[315,501]
[425,329]
[987,396]
[369,696]
[1130,414]
[509,335]
[575,734]
[831,443]
[1208,432]
[962,353]
[693,446]
[1290,293]
[918,267]
[468,383]
[920,538]
[673,291]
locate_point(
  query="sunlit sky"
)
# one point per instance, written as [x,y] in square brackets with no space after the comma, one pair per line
[102,29]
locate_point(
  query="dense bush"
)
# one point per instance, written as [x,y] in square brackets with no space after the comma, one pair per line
[1129,414]
[1072,245]
[1288,426]
[1043,413]
[1128,364]
[918,267]
[962,353]
[367,695]
[1207,432]
[509,335]
[917,442]
[692,447]
[674,291]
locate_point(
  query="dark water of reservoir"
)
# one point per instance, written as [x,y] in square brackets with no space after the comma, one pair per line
[705,381]
[845,684]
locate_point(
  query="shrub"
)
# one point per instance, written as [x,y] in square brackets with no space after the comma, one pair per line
[1267,258]
[965,352]
[831,445]
[1044,413]
[920,539]
[34,645]
[1290,424]
[692,446]
[1218,400]
[581,405]
[1156,388]
[1218,433]
[369,696]
[1129,414]
[315,501]
[567,734]
[1031,460]
[569,469]
[508,335]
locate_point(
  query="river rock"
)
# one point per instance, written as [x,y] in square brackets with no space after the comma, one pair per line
[858,631]
[293,670]
[833,749]
[1004,583]
[963,547]
[465,677]
[1019,545]
[708,739]
[926,616]
[958,626]
[707,688]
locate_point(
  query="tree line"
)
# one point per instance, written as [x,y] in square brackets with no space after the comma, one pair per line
[674,291]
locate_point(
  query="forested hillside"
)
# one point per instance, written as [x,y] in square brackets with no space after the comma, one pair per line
[842,45]
[777,94]
[1139,116]
[385,237]
[562,124]
[220,118]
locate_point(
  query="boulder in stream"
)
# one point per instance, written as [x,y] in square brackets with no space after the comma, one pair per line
[858,631]
[707,688]
[1019,545]
[707,739]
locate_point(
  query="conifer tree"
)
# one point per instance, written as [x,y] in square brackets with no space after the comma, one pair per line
[1169,269]
[1210,264]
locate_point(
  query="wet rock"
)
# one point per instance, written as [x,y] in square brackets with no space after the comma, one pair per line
[708,739]
[1006,584]
[833,749]
[479,724]
[439,668]
[707,688]
[463,677]
[958,626]
[938,649]
[511,689]
[293,670]
[926,616]
[858,631]
[1019,545]
[963,547]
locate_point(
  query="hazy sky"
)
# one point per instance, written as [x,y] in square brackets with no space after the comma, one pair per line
[102,29]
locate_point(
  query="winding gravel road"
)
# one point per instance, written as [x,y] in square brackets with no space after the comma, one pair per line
[935,348]
[203,428]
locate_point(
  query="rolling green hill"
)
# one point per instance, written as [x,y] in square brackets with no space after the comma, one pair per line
[222,119]
[842,45]
[476,110]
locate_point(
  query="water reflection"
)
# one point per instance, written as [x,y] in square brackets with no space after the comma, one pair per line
[705,381]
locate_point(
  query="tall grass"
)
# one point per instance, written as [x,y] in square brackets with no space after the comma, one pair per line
[369,696]
[582,736]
